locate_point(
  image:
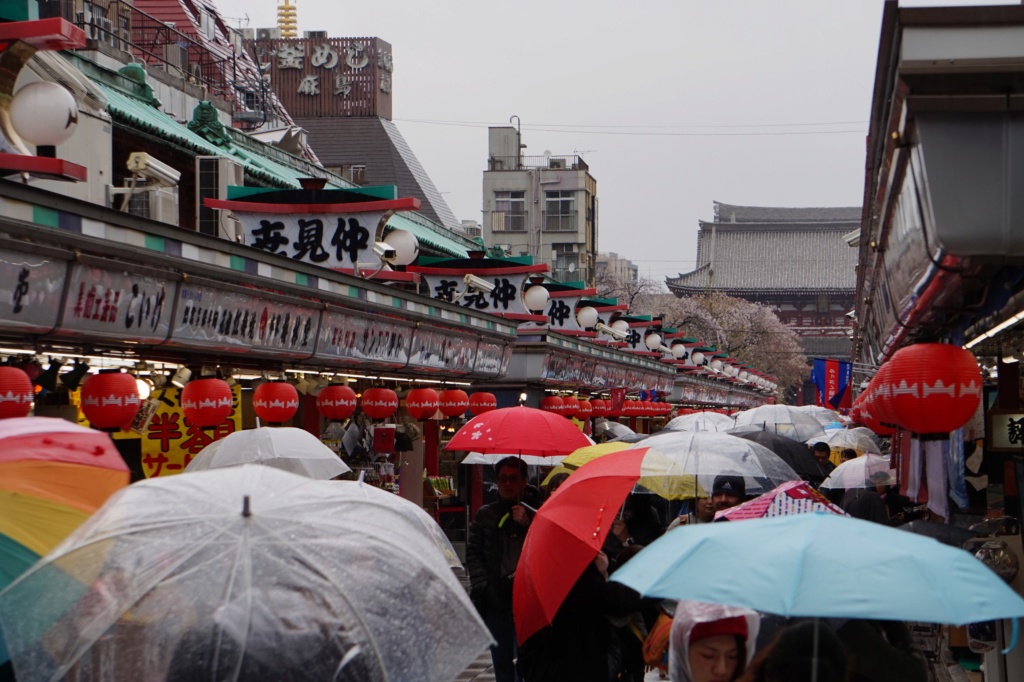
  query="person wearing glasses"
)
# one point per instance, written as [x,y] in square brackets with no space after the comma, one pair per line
[492,552]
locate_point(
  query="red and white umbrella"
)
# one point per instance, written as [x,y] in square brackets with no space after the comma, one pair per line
[792,497]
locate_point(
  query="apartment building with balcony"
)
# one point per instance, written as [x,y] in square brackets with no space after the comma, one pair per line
[541,206]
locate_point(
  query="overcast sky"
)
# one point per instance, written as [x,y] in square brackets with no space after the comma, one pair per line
[674,104]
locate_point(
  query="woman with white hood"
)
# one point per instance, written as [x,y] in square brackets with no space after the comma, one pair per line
[711,643]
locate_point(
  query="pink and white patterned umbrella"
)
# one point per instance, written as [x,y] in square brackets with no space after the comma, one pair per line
[792,497]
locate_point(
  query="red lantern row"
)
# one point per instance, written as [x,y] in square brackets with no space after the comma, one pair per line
[584,409]
[339,402]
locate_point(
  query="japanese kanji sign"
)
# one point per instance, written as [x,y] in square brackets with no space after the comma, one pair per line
[380,342]
[30,290]
[117,304]
[329,240]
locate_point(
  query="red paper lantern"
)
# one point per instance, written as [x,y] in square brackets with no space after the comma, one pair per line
[570,406]
[206,402]
[482,402]
[16,393]
[599,408]
[454,403]
[336,402]
[868,418]
[110,400]
[630,408]
[379,403]
[551,403]
[585,410]
[935,387]
[275,401]
[422,403]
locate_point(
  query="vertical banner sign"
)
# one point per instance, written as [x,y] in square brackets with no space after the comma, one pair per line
[618,397]
[168,443]
[832,380]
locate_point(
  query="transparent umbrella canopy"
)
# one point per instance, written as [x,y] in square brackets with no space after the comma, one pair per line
[783,420]
[243,573]
[282,447]
[701,421]
[698,458]
[865,471]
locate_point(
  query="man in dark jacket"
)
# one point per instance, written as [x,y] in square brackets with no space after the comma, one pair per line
[492,551]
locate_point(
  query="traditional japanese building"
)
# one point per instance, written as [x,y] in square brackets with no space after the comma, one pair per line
[794,260]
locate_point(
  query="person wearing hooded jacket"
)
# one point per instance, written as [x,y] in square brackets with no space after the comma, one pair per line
[710,642]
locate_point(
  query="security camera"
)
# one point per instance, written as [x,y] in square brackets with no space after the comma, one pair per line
[156,172]
[478,283]
[616,334]
[385,252]
[852,314]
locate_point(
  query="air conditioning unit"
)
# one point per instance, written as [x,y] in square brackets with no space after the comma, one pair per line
[315,34]
[105,31]
[155,203]
[248,33]
[214,174]
[268,33]
[556,163]
[176,57]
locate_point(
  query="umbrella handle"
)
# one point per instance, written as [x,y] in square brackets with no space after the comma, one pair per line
[1014,634]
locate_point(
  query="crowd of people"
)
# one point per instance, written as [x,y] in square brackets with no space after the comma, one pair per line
[605,632]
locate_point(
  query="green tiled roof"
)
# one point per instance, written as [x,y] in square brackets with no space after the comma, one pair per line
[145,117]
[453,245]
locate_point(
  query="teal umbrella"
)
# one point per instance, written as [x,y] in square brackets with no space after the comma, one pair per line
[822,565]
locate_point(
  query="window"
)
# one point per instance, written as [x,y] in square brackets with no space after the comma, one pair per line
[354,172]
[560,211]
[509,213]
[567,262]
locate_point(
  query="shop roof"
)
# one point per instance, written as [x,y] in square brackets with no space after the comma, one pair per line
[439,239]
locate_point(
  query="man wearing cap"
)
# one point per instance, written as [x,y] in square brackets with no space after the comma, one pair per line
[727,491]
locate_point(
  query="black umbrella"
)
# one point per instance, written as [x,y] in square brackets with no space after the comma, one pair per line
[944,533]
[793,452]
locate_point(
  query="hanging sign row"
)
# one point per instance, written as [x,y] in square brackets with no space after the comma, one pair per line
[44,295]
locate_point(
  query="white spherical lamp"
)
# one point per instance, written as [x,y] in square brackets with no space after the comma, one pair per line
[679,351]
[536,297]
[698,358]
[716,365]
[744,376]
[44,114]
[620,325]
[586,316]
[652,341]
[405,244]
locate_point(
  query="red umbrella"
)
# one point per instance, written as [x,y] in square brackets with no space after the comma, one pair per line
[567,533]
[519,430]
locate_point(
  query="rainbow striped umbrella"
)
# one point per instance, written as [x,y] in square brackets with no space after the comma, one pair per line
[54,474]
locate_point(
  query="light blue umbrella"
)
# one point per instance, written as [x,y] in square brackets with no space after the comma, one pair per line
[822,565]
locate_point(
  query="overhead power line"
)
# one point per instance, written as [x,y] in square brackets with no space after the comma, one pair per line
[580,131]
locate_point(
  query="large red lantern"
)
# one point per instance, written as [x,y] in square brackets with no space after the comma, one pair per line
[379,403]
[599,408]
[551,403]
[275,401]
[482,402]
[570,406]
[16,393]
[206,402]
[935,387]
[422,403]
[454,403]
[110,400]
[336,402]
[585,410]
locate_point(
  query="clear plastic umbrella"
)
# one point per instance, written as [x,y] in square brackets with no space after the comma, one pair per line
[823,415]
[673,456]
[783,420]
[842,439]
[281,447]
[701,421]
[866,471]
[242,573]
